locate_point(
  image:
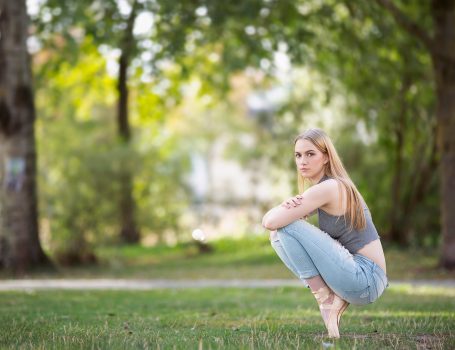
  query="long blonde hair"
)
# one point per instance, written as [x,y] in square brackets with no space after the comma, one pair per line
[334,168]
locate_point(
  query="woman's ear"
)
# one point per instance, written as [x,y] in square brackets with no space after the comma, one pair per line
[326,159]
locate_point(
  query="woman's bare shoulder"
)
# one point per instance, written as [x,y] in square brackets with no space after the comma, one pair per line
[327,186]
[326,192]
[331,188]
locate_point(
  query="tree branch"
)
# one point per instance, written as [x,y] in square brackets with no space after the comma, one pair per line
[411,27]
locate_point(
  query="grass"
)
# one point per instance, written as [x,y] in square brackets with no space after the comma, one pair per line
[234,318]
[280,318]
[247,258]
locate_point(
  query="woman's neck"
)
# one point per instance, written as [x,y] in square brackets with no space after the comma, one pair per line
[317,178]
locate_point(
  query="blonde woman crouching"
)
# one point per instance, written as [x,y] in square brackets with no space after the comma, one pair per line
[342,261]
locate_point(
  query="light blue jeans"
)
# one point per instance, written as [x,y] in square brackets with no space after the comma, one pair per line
[307,252]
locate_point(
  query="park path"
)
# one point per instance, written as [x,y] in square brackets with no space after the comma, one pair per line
[142,284]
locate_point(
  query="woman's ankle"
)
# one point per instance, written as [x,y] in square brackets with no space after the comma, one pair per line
[329,300]
[316,283]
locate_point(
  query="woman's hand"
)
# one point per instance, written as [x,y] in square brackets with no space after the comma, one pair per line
[293,201]
[301,205]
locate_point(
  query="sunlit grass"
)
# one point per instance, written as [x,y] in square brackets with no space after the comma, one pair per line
[279,318]
[246,258]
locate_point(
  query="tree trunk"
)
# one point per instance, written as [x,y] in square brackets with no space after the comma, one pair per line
[20,247]
[443,56]
[129,232]
[397,233]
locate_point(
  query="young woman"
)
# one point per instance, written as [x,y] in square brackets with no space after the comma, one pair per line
[342,262]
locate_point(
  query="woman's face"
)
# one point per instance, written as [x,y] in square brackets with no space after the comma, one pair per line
[309,160]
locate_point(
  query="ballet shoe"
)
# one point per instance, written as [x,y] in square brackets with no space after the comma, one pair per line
[343,309]
[336,309]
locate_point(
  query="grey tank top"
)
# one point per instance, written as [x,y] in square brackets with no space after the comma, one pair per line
[338,228]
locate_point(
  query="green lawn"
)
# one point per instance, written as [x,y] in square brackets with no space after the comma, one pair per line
[251,257]
[280,318]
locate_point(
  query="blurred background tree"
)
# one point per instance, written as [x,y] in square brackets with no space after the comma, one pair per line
[20,246]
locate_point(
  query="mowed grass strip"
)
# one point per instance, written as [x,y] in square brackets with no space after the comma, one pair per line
[234,318]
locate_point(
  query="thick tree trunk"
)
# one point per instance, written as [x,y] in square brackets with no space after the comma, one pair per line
[20,247]
[443,56]
[129,232]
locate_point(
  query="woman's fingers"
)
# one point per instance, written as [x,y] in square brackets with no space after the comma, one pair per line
[286,205]
[292,202]
[295,202]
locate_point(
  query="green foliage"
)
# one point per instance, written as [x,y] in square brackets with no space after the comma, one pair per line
[385,73]
[81,160]
[383,127]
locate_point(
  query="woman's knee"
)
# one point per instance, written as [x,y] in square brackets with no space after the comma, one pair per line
[275,240]
[285,236]
[273,236]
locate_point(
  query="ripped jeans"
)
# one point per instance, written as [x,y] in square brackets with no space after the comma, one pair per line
[307,252]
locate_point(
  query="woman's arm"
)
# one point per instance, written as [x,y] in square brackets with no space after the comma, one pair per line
[295,201]
[313,198]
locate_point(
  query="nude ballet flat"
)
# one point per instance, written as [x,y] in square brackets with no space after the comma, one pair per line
[337,308]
